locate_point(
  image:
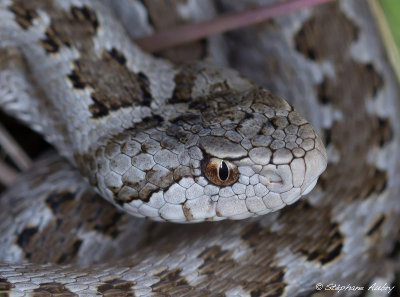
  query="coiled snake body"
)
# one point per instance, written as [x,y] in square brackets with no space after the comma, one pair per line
[195,143]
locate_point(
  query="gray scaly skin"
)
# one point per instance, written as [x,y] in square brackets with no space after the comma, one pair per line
[342,234]
[152,138]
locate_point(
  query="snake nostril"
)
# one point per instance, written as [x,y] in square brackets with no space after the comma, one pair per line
[274,180]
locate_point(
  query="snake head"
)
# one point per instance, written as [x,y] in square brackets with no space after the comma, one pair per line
[228,156]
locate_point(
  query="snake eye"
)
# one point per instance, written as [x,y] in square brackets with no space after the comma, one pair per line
[220,172]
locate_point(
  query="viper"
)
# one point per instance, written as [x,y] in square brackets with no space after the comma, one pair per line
[197,142]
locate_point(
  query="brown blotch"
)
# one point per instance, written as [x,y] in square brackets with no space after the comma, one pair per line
[114,85]
[322,242]
[187,212]
[354,84]
[327,136]
[33,242]
[87,164]
[168,280]
[5,287]
[146,192]
[117,287]
[376,225]
[25,238]
[312,39]
[72,212]
[184,83]
[256,273]
[76,27]
[189,118]
[52,289]
[76,80]
[97,214]
[24,11]
[395,251]
[385,131]
[328,89]
[149,122]
[376,184]
[117,56]
[213,256]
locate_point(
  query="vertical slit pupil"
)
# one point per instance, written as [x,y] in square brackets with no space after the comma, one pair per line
[223,171]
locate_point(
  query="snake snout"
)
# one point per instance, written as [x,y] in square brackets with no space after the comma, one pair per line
[295,179]
[315,164]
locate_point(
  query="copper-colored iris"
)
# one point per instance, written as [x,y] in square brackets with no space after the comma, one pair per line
[221,172]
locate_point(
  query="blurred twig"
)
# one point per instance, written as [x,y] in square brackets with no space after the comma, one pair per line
[7,174]
[229,21]
[11,147]
[387,35]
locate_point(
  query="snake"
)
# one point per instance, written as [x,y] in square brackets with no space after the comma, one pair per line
[197,142]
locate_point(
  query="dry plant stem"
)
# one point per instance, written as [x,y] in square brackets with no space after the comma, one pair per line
[11,147]
[7,174]
[229,21]
[391,48]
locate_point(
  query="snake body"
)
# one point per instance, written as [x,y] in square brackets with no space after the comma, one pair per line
[185,144]
[192,143]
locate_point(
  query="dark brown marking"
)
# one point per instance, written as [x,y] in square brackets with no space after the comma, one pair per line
[86,163]
[189,118]
[377,183]
[376,225]
[187,212]
[114,85]
[5,287]
[84,14]
[147,122]
[168,280]
[252,233]
[59,200]
[76,81]
[117,287]
[395,251]
[385,131]
[52,289]
[301,233]
[25,237]
[73,213]
[332,20]
[97,214]
[376,80]
[24,11]
[117,56]
[322,242]
[146,192]
[354,83]
[213,256]
[258,279]
[327,136]
[220,87]
[324,96]
[184,82]
[76,27]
